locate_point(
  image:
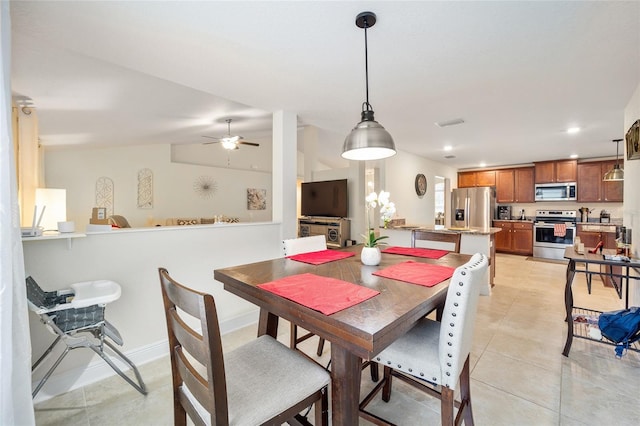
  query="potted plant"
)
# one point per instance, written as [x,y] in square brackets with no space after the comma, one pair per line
[371,252]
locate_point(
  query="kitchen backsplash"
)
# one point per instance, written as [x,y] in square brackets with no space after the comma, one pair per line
[615,209]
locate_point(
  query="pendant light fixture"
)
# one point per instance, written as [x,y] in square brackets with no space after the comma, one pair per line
[615,174]
[368,140]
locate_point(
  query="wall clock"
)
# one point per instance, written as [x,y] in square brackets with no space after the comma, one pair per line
[421,184]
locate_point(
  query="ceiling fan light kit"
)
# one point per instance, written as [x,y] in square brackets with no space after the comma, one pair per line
[231,142]
[617,173]
[368,140]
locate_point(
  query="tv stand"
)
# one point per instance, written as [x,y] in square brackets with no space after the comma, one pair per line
[337,230]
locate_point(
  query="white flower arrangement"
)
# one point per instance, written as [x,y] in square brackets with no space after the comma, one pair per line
[387,210]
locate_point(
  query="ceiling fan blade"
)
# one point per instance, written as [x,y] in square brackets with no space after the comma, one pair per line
[218,140]
[249,143]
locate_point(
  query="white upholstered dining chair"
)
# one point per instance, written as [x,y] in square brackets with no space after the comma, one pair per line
[293,246]
[434,356]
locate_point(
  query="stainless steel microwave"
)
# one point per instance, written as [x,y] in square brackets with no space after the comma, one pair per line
[556,191]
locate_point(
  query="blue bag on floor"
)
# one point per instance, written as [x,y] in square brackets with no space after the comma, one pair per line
[621,327]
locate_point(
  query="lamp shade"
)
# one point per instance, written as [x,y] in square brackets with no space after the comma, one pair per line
[615,174]
[55,201]
[368,141]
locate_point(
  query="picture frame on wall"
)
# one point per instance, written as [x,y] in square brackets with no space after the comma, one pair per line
[633,141]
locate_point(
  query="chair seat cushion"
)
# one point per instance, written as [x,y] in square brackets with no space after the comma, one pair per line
[416,353]
[265,378]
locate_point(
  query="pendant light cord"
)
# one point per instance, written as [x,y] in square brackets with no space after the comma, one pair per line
[366,105]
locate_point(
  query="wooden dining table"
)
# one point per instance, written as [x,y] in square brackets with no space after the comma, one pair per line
[356,333]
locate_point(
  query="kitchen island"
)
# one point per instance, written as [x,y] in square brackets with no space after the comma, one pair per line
[472,240]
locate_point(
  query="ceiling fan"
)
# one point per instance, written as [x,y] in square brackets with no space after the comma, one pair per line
[230,141]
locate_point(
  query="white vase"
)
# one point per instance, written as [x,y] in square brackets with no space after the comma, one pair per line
[370,256]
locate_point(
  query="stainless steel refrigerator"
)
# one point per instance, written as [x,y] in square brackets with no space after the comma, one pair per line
[473,207]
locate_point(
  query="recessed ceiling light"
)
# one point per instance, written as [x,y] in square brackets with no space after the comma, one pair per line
[572,130]
[448,148]
[483,164]
[573,156]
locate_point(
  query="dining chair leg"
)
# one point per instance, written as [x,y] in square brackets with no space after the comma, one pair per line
[375,372]
[386,389]
[320,347]
[446,406]
[465,395]
[293,336]
[179,413]
[322,409]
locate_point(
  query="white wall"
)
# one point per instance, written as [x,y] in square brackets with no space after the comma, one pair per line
[173,192]
[631,193]
[399,179]
[131,258]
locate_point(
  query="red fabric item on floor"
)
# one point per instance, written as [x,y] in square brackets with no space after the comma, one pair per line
[559,230]
[324,294]
[416,252]
[417,273]
[320,257]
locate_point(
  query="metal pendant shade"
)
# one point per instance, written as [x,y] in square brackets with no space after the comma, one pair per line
[368,140]
[615,174]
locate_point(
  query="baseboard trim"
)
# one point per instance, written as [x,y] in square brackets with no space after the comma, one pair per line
[99,370]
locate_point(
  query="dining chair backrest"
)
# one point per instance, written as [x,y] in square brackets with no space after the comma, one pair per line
[205,347]
[295,246]
[440,237]
[458,318]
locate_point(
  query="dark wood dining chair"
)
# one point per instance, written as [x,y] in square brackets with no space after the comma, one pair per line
[426,235]
[434,356]
[261,382]
[291,247]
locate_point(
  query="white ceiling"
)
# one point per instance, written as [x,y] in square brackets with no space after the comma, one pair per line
[518,73]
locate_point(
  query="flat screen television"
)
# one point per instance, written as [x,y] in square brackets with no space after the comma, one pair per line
[324,198]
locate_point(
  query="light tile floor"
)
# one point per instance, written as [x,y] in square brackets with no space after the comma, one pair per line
[518,376]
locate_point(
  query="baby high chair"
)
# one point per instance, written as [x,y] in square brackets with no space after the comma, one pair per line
[76,316]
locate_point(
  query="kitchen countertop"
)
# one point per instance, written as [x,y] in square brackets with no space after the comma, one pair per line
[513,220]
[444,230]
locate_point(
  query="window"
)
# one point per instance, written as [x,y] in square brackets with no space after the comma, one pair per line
[438,189]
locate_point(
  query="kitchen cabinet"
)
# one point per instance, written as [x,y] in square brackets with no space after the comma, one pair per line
[556,171]
[515,237]
[591,188]
[504,237]
[515,185]
[477,178]
[466,179]
[611,191]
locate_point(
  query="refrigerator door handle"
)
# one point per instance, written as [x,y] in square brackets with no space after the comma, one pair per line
[467,206]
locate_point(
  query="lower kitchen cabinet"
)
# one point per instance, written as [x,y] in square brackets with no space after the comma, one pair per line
[515,237]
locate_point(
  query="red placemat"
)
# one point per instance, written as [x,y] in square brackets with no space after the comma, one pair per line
[417,273]
[320,257]
[416,252]
[327,295]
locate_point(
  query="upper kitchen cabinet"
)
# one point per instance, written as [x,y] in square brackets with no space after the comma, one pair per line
[611,191]
[591,188]
[556,171]
[515,185]
[478,178]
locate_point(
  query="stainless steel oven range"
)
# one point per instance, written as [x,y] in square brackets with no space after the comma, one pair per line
[553,230]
